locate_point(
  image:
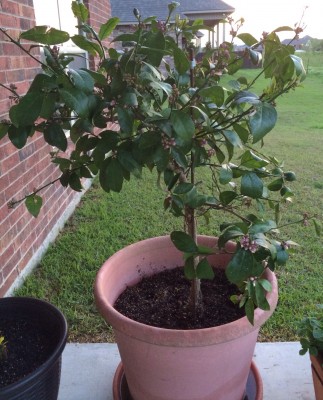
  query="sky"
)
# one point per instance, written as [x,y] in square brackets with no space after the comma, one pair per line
[267,15]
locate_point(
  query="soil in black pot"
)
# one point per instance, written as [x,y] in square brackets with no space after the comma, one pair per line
[162,301]
[27,348]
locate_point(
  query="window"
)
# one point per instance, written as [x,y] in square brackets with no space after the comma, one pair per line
[58,14]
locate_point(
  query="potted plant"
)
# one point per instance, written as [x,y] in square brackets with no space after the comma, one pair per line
[33,335]
[204,140]
[310,330]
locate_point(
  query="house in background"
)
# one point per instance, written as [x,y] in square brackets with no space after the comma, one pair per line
[211,11]
[23,238]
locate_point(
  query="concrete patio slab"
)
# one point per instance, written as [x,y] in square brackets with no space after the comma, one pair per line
[88,370]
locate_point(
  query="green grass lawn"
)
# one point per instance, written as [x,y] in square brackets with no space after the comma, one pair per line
[104,223]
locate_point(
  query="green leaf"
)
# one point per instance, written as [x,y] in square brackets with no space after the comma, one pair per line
[247,39]
[181,62]
[261,297]
[225,174]
[184,128]
[227,196]
[262,121]
[129,163]
[265,284]
[45,35]
[126,121]
[214,93]
[48,106]
[262,227]
[107,28]
[251,185]
[18,136]
[282,256]
[27,110]
[91,47]
[183,242]
[80,11]
[251,160]
[111,175]
[299,67]
[233,138]
[204,270]
[74,182]
[55,136]
[250,310]
[78,101]
[276,185]
[242,266]
[3,130]
[231,232]
[183,187]
[82,80]
[33,204]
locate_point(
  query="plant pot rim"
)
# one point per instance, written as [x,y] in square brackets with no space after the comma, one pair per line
[205,336]
[44,367]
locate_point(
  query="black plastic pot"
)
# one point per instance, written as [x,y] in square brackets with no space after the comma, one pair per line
[43,382]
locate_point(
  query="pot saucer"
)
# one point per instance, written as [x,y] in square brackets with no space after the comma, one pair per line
[254,388]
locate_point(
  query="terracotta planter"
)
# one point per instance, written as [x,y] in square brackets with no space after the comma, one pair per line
[317,373]
[165,364]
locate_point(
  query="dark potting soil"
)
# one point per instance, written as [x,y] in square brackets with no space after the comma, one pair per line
[27,347]
[161,300]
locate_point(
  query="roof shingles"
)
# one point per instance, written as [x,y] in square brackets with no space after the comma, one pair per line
[124,8]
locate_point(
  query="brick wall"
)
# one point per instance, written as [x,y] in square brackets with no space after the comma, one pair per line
[21,235]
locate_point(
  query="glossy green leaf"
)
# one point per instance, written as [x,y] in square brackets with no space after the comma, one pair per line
[80,11]
[262,227]
[282,256]
[250,310]
[262,121]
[126,121]
[261,297]
[247,39]
[3,129]
[265,284]
[27,110]
[183,187]
[275,185]
[231,232]
[18,136]
[45,35]
[204,270]
[251,185]
[183,242]
[34,204]
[82,80]
[225,174]
[111,175]
[227,197]
[55,136]
[184,128]
[107,28]
[233,138]
[214,93]
[242,266]
[74,182]
[49,105]
[250,160]
[91,47]
[182,63]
